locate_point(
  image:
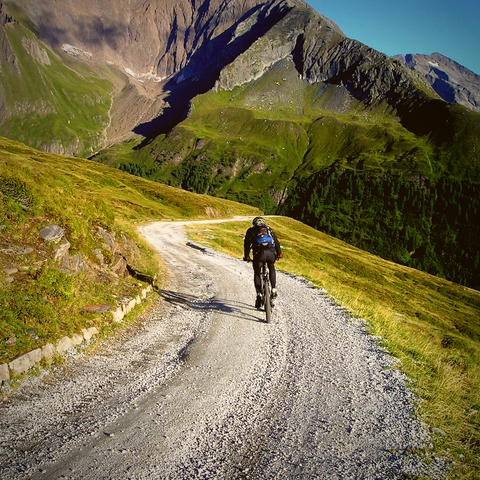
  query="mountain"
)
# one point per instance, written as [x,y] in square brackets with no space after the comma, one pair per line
[90,73]
[264,102]
[82,76]
[453,82]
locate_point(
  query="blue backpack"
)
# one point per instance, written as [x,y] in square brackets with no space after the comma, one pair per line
[264,238]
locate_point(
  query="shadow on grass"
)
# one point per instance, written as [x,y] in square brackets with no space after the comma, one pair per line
[240,310]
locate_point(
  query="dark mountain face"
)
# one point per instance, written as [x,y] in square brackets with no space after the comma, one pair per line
[450,80]
[132,53]
[146,60]
[155,38]
[266,102]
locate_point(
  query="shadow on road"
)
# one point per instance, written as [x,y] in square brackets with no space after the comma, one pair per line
[232,308]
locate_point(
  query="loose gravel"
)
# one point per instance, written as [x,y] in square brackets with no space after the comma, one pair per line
[203,388]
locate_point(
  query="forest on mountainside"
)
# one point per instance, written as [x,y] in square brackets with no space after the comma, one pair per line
[431,225]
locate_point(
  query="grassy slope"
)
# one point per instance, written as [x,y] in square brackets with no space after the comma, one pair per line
[39,189]
[248,146]
[430,324]
[59,104]
[255,143]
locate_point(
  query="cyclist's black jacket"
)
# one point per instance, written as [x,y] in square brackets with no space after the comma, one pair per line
[250,243]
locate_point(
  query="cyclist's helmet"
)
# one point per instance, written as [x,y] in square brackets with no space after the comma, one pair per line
[258,221]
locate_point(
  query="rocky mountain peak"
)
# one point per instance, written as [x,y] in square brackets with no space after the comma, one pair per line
[452,82]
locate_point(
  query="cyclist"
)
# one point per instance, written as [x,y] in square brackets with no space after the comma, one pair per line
[262,240]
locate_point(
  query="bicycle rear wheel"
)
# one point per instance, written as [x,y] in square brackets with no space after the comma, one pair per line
[268,302]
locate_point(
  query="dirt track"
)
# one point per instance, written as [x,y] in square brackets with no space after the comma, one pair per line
[206,390]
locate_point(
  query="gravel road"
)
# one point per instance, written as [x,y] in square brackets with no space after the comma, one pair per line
[202,388]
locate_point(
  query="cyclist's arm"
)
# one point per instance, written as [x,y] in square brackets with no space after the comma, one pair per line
[278,248]
[247,244]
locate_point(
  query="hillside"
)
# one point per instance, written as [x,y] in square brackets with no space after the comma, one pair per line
[91,253]
[360,175]
[429,323]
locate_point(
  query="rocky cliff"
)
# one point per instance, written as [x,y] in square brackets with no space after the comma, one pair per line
[150,39]
[78,77]
[453,82]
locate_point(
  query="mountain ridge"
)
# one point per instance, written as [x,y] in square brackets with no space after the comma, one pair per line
[453,82]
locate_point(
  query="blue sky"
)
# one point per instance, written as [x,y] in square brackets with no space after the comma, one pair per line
[451,28]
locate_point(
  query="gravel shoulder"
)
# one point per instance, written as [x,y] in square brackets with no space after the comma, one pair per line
[202,388]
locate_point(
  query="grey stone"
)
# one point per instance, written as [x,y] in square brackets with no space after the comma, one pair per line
[120,265]
[61,251]
[77,263]
[4,373]
[88,333]
[108,238]
[118,315]
[52,233]
[64,344]
[77,339]
[129,249]
[32,332]
[48,351]
[129,306]
[98,253]
[25,362]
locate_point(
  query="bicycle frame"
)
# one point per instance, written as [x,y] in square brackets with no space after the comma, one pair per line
[266,292]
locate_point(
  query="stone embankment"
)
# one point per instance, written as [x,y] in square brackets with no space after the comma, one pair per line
[25,362]
[114,256]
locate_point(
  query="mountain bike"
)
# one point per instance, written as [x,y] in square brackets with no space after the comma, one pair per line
[266,292]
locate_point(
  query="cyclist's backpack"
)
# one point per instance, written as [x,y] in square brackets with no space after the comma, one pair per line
[264,238]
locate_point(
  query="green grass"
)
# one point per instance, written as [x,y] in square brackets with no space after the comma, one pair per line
[59,105]
[39,189]
[430,324]
[241,144]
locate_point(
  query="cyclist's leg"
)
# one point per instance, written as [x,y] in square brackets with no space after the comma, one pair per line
[270,259]
[257,270]
[272,273]
[258,262]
